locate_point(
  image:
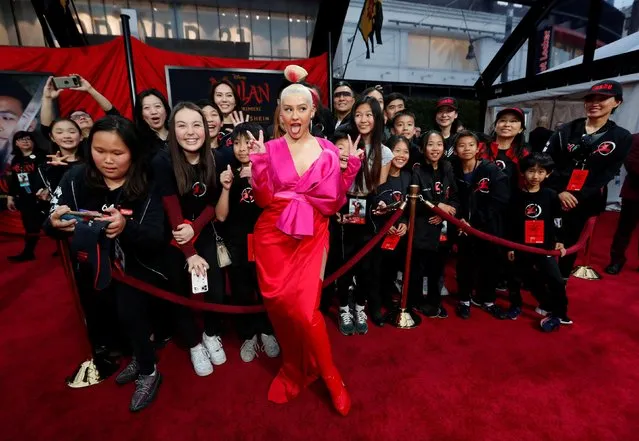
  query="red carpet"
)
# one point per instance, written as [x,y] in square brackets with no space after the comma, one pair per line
[447,380]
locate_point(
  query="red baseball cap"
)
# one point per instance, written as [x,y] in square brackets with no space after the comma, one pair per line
[513,111]
[446,102]
[606,88]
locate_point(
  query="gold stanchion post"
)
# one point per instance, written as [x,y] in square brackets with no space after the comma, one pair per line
[404,317]
[587,272]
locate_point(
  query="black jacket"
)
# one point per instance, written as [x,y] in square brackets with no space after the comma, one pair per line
[435,186]
[142,239]
[484,198]
[601,153]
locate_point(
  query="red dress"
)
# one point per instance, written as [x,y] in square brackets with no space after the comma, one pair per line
[291,245]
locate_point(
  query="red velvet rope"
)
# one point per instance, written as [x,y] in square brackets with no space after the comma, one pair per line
[361,253]
[585,235]
[235,309]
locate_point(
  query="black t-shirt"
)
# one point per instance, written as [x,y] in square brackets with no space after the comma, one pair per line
[54,173]
[543,206]
[193,201]
[25,176]
[243,211]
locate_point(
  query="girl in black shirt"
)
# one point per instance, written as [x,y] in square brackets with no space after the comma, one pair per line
[237,209]
[113,183]
[437,185]
[187,180]
[223,154]
[389,256]
[66,138]
[24,187]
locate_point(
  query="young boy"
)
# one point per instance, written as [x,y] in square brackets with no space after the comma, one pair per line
[534,218]
[238,210]
[403,124]
[483,194]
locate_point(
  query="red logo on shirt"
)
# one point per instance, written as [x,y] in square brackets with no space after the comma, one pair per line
[533,211]
[438,187]
[247,196]
[199,189]
[483,185]
[606,148]
[396,196]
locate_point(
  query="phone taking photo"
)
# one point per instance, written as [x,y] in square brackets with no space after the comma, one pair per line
[68,82]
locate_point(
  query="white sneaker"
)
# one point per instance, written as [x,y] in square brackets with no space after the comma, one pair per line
[249,349]
[200,360]
[445,292]
[270,345]
[214,346]
[541,312]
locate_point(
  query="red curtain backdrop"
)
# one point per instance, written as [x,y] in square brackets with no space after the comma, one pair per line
[104,66]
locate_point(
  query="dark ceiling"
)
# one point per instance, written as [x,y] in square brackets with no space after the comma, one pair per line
[302,7]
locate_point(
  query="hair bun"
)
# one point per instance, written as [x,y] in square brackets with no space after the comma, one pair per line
[295,73]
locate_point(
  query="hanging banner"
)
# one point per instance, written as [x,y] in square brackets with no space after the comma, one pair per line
[543,55]
[256,88]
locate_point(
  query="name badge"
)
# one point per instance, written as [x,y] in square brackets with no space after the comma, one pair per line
[577,180]
[23,179]
[534,231]
[356,212]
[390,243]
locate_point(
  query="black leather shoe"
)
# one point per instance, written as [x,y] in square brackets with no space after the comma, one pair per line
[378,319]
[614,268]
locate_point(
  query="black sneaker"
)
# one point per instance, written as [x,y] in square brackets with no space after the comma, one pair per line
[146,387]
[502,286]
[442,314]
[513,312]
[614,268]
[494,310]
[463,310]
[129,374]
[378,319]
[475,301]
[565,320]
[550,324]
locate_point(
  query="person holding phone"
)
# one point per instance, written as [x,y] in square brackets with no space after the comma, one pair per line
[113,184]
[79,116]
[187,181]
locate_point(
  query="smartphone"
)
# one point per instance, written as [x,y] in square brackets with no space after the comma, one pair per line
[80,216]
[66,82]
[199,284]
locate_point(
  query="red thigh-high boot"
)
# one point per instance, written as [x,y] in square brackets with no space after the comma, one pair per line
[318,339]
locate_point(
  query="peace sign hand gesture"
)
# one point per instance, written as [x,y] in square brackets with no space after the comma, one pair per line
[256,146]
[352,147]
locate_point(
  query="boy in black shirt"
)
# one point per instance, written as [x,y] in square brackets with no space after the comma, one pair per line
[238,210]
[535,219]
[403,124]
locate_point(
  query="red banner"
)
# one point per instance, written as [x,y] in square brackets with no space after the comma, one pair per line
[104,66]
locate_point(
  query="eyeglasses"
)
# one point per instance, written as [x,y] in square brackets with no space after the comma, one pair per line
[77,116]
[342,94]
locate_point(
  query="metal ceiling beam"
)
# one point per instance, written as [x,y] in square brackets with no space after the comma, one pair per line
[611,67]
[330,18]
[524,30]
